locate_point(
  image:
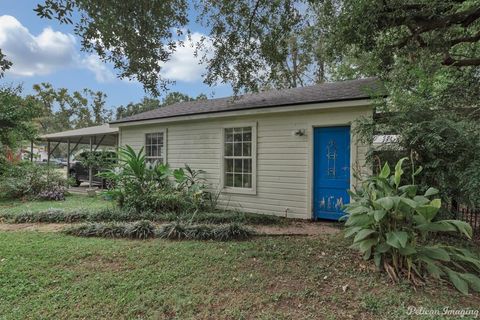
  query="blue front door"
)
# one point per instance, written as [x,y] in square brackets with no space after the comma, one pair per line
[331,171]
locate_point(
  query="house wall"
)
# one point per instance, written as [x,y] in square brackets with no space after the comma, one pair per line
[284,161]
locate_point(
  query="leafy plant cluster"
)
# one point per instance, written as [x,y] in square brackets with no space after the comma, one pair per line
[227,232]
[123,215]
[392,224]
[27,180]
[154,187]
[175,231]
[137,230]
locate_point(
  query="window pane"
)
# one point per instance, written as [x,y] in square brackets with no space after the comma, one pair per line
[238,166]
[228,135]
[247,134]
[153,140]
[247,149]
[247,180]
[229,180]
[228,149]
[247,165]
[238,135]
[160,139]
[154,150]
[228,165]
[237,149]
[237,180]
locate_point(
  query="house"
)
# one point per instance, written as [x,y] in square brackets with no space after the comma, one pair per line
[287,152]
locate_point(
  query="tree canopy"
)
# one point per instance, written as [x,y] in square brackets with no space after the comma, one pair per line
[148,104]
[62,110]
[16,114]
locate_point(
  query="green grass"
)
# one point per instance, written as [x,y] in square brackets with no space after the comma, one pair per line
[72,202]
[51,275]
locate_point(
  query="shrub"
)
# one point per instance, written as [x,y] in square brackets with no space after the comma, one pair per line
[173,231]
[180,231]
[393,223]
[144,186]
[138,230]
[48,216]
[55,193]
[109,230]
[32,181]
[233,231]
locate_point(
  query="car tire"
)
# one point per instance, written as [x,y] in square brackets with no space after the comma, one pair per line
[73,175]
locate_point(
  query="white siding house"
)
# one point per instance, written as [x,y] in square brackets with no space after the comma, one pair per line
[268,159]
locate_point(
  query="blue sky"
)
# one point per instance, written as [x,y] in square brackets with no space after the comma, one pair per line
[45,51]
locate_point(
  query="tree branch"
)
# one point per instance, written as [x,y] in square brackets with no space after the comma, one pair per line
[474,38]
[449,61]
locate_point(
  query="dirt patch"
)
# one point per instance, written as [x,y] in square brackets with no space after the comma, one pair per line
[300,228]
[42,227]
[295,228]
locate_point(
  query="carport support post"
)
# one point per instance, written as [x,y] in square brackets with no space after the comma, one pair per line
[68,160]
[48,152]
[90,167]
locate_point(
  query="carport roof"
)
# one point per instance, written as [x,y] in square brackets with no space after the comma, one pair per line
[104,134]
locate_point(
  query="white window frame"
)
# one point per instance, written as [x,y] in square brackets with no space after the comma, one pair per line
[253,189]
[163,155]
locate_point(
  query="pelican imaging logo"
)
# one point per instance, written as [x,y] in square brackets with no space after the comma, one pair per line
[446,311]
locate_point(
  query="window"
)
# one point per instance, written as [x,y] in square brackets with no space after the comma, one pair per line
[154,147]
[239,157]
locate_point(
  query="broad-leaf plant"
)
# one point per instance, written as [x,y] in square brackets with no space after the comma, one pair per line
[393,224]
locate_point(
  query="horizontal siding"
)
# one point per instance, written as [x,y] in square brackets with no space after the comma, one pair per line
[283,160]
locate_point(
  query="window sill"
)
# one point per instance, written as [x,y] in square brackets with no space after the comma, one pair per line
[250,191]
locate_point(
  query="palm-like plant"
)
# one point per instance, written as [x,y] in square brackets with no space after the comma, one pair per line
[393,223]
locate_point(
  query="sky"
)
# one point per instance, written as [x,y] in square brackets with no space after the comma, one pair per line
[45,51]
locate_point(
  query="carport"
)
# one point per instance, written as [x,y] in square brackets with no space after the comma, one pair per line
[93,136]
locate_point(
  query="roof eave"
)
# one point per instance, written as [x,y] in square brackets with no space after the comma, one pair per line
[355,102]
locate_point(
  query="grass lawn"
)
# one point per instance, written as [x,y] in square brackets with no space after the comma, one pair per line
[50,275]
[71,202]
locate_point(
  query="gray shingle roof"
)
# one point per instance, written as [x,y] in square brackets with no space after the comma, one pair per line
[326,92]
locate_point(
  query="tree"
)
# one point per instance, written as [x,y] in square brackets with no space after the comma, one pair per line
[425,54]
[135,36]
[263,44]
[62,110]
[4,64]
[148,104]
[16,114]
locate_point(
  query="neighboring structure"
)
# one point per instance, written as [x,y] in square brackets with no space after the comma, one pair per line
[287,152]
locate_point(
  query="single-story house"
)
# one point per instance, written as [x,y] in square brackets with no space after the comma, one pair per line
[287,152]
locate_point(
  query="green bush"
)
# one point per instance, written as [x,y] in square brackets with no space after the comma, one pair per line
[138,230]
[143,186]
[48,216]
[229,232]
[126,215]
[393,225]
[173,231]
[27,180]
[233,231]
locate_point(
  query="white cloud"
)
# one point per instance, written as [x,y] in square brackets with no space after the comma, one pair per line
[35,55]
[101,70]
[49,51]
[183,65]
